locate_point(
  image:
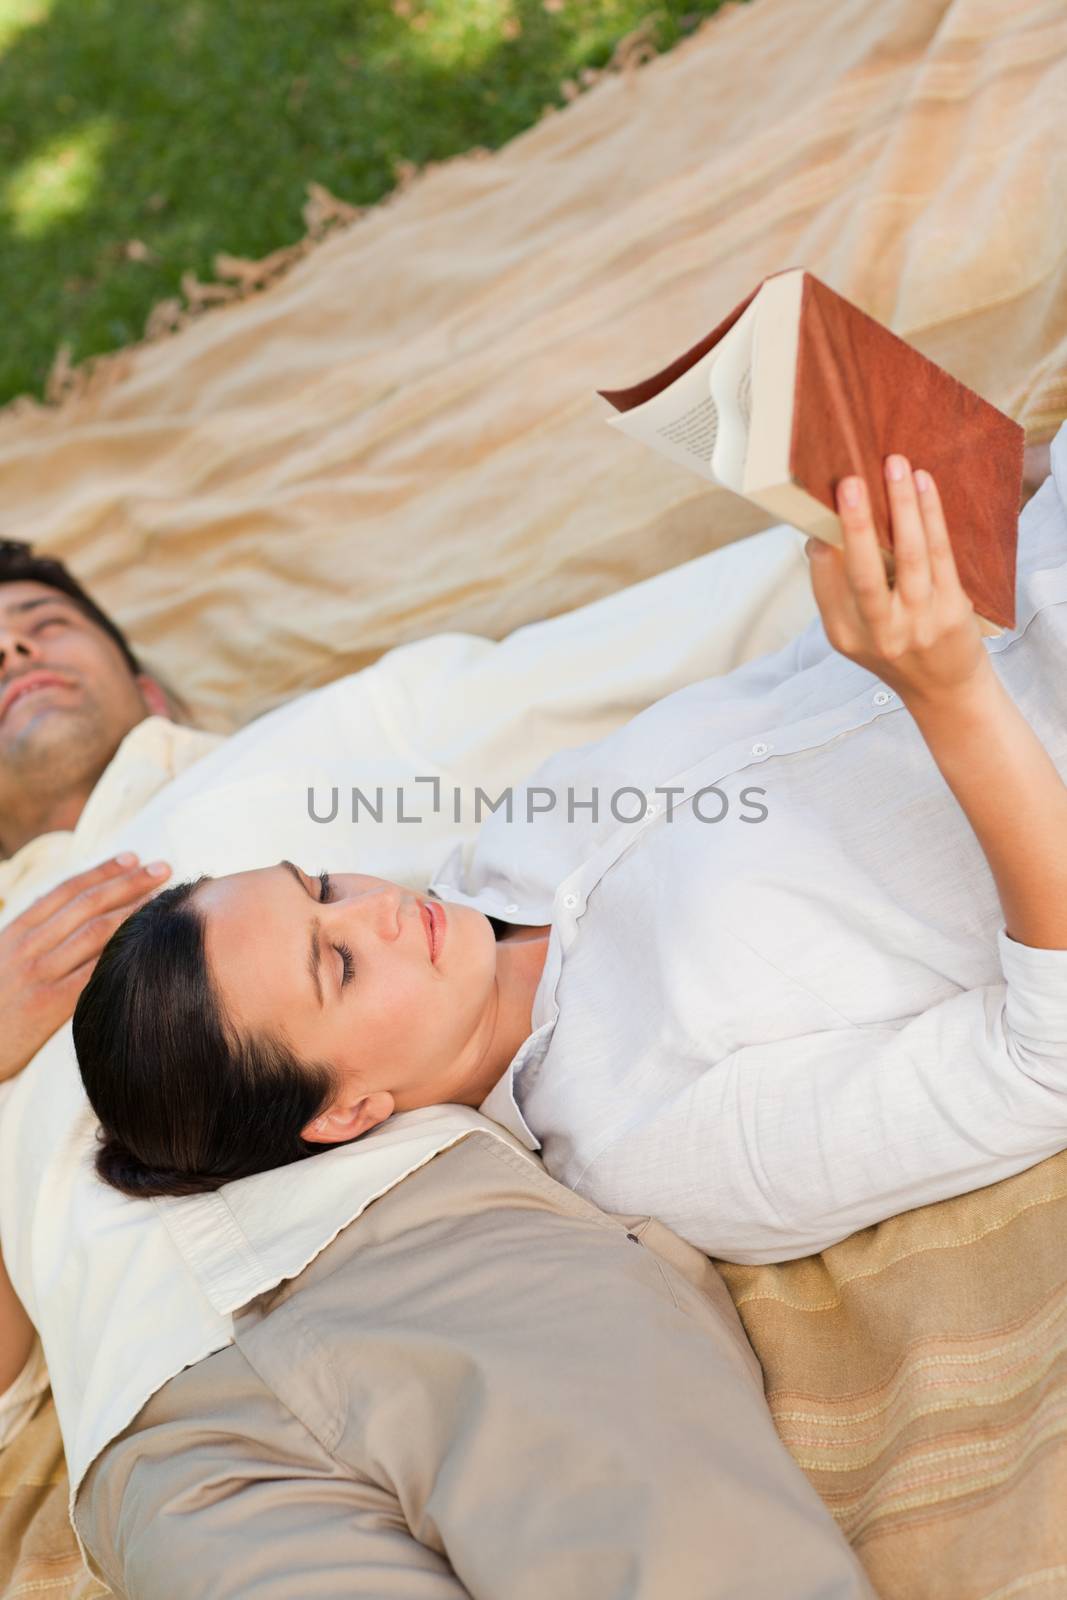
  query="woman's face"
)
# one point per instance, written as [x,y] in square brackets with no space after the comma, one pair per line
[397,994]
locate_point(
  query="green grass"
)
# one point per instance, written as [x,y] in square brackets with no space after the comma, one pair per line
[194,126]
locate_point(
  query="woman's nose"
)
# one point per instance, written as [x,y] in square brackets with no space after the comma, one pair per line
[377,908]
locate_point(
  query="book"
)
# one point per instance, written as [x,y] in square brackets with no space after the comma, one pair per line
[798,388]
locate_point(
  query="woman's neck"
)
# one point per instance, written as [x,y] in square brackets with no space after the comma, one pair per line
[520,961]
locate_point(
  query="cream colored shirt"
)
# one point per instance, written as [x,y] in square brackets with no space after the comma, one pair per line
[154,753]
[125,1293]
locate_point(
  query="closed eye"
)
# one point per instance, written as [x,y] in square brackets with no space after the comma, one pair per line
[347,963]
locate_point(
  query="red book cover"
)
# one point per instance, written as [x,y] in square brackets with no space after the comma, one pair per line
[861,394]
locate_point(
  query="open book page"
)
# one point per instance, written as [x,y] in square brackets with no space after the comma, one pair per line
[682,422]
[773,376]
[730,382]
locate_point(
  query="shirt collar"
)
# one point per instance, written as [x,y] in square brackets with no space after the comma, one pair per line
[164,1279]
[500,1104]
[153,753]
[250,1235]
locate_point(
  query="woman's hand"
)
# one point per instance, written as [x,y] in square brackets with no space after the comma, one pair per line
[921,635]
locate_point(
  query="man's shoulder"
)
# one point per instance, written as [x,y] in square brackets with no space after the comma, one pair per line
[478,1256]
[462,1249]
[476,1321]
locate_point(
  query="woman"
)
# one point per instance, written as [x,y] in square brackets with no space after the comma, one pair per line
[813,980]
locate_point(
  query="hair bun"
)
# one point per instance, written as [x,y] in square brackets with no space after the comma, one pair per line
[121,1169]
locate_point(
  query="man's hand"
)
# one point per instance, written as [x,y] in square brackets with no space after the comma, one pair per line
[919,636]
[48,953]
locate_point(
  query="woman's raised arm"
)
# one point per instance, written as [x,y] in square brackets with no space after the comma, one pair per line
[921,638]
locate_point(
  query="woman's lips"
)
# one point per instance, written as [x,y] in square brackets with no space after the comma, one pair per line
[434,919]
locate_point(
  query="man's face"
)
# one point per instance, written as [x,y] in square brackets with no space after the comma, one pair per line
[67,696]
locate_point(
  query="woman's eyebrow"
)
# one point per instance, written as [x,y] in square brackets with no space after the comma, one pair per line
[289,867]
[315,947]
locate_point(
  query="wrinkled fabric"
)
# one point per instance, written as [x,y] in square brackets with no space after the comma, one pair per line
[403,434]
[778,1001]
[125,1293]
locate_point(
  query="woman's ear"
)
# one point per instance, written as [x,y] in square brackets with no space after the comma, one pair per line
[340,1123]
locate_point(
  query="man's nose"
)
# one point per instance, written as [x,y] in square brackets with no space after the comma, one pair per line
[15,647]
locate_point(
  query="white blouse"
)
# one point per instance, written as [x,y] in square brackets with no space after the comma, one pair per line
[773,1029]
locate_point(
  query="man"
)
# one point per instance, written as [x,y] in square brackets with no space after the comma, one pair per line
[58,651]
[71,689]
[446,1375]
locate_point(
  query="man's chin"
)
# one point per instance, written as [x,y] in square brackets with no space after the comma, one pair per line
[28,722]
[68,733]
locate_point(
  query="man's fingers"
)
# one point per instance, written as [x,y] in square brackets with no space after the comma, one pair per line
[84,944]
[70,888]
[66,991]
[110,894]
[911,556]
[47,957]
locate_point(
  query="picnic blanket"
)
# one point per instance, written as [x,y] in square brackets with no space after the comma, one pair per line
[400,435]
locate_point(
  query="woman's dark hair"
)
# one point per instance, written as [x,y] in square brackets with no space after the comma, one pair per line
[184,1104]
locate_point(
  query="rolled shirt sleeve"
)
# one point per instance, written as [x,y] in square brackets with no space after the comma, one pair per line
[1035,1007]
[782,1149]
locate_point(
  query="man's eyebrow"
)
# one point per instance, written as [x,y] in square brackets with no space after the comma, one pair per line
[42,600]
[315,948]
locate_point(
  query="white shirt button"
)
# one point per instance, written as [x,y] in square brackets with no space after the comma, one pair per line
[652,811]
[512,907]
[760,749]
[882,698]
[570,901]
